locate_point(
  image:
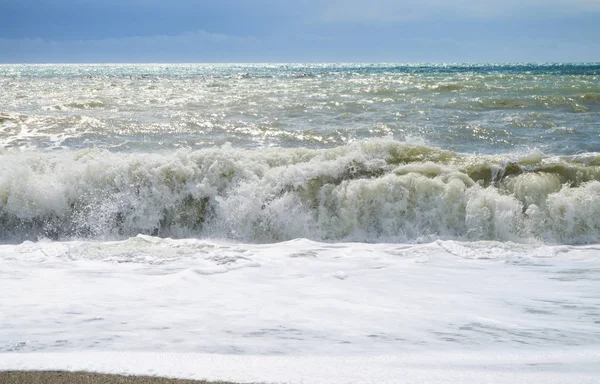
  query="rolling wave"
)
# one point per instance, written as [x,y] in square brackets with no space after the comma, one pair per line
[376,190]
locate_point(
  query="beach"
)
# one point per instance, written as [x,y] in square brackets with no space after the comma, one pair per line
[49,377]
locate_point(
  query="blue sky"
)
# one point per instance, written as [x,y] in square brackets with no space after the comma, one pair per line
[299,30]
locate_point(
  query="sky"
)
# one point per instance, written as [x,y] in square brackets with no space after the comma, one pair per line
[110,31]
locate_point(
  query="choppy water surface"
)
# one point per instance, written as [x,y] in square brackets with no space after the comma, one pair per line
[264,153]
[467,108]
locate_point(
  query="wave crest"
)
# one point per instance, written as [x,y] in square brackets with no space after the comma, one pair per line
[380,190]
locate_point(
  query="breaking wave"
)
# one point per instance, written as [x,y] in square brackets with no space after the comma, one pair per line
[377,190]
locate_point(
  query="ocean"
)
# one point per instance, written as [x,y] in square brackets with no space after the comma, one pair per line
[304,211]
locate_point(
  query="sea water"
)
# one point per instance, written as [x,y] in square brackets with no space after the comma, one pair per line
[305,211]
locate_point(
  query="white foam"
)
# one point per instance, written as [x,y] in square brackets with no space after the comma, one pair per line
[303,311]
[369,191]
[296,297]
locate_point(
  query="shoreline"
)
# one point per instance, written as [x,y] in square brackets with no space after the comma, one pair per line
[79,377]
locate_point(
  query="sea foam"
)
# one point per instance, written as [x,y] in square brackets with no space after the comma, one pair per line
[376,190]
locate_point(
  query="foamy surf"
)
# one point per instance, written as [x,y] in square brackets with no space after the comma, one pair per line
[301,310]
[297,297]
[369,191]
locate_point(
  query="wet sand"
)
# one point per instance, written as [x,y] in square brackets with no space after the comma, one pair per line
[59,377]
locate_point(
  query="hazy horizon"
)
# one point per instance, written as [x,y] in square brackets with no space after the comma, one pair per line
[267,31]
[258,63]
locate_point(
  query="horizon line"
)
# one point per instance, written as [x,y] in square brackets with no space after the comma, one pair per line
[302,62]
